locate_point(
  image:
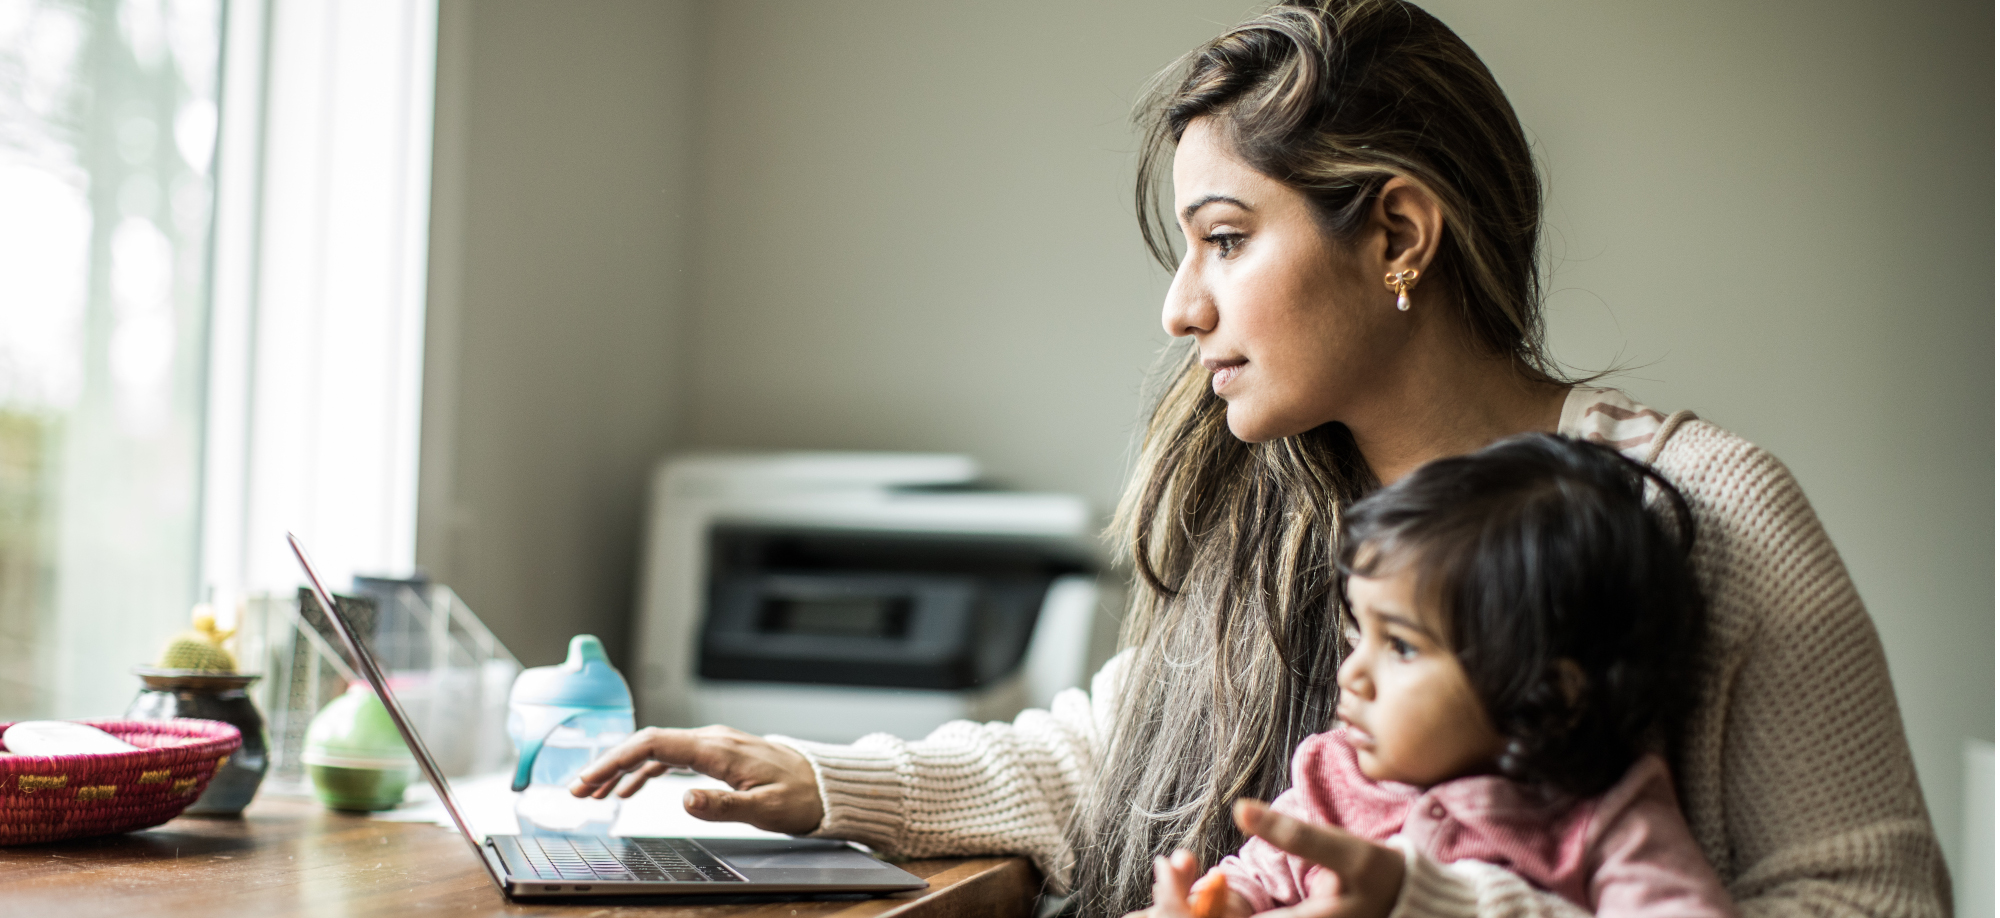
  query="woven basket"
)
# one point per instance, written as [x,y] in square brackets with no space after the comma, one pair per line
[49,797]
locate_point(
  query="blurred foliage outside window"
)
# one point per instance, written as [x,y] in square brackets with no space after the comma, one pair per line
[108,118]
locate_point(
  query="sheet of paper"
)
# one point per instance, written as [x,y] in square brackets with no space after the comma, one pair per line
[488,806]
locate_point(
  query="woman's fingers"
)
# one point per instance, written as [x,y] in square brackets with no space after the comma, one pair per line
[723,753]
[638,778]
[771,807]
[653,744]
[774,787]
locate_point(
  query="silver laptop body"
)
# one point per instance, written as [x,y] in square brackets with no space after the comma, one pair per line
[590,866]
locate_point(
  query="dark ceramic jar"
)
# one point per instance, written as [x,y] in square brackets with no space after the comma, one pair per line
[171,693]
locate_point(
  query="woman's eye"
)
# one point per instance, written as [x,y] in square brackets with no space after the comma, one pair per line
[1404,649]
[1226,243]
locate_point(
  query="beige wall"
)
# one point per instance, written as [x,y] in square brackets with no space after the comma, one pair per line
[917,230]
[551,369]
[1782,215]
[906,225]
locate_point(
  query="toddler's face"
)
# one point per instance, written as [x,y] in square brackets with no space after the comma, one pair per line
[1409,710]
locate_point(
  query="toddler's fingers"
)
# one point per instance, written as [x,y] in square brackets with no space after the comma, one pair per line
[1170,892]
[1173,883]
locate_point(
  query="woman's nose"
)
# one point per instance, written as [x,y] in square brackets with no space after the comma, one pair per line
[1188,309]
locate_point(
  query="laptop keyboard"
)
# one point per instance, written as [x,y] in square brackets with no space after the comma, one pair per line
[591,857]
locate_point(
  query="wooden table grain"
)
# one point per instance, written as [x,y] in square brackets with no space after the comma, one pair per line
[293,857]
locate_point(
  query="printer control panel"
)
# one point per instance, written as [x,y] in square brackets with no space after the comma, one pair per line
[853,607]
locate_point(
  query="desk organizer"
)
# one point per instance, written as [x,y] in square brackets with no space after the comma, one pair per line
[50,797]
[449,672]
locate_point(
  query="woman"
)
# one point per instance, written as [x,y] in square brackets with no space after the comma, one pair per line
[1361,214]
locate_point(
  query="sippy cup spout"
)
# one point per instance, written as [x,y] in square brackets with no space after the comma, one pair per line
[585,649]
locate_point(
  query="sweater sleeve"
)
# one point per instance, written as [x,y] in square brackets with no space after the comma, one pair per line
[1796,775]
[1470,888]
[970,788]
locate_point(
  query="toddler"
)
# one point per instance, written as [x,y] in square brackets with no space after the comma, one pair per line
[1521,629]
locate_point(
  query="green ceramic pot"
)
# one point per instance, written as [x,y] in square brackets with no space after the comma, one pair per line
[359,789]
[355,756]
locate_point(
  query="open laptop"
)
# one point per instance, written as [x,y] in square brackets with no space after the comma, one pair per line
[571,866]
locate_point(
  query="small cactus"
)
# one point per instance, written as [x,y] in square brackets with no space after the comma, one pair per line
[200,649]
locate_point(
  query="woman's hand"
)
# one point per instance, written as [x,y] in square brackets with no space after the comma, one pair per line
[1362,879]
[774,786]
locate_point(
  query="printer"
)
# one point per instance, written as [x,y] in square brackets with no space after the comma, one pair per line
[829,595]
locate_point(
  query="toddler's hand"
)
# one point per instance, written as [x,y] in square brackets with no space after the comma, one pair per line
[1177,894]
[1173,876]
[1213,898]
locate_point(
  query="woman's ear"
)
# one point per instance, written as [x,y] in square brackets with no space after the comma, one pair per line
[1410,223]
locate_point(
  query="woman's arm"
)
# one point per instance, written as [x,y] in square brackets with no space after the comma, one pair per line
[970,788]
[1794,771]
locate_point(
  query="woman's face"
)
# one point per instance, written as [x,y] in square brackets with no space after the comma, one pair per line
[1293,327]
[1409,710]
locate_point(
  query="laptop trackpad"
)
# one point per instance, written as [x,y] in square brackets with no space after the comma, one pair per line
[789,854]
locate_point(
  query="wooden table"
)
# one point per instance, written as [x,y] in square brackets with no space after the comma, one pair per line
[292,857]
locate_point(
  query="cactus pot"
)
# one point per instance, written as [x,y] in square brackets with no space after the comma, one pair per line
[171,693]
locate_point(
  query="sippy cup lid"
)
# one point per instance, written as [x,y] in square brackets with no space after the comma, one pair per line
[548,696]
[585,680]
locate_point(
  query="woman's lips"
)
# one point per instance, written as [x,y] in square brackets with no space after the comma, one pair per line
[1225,371]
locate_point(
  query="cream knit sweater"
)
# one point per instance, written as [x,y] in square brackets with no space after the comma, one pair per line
[1795,774]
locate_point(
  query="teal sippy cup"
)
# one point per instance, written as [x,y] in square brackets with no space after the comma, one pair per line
[561,718]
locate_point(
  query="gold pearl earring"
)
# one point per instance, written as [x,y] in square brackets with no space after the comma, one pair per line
[1400,282]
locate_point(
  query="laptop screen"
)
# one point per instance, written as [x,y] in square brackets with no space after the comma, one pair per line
[365,663]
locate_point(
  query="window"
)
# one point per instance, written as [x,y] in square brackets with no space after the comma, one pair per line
[213,230]
[108,116]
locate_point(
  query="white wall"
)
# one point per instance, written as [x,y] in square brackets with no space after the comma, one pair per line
[910,229]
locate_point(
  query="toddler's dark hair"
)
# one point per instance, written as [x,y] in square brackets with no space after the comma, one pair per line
[1540,549]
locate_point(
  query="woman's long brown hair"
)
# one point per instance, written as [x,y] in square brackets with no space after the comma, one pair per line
[1233,544]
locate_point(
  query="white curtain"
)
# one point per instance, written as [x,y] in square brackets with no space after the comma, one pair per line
[317,334]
